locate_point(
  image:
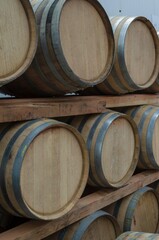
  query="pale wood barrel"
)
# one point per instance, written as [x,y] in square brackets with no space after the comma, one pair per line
[98,226]
[40,176]
[137,212]
[147,121]
[18,42]
[136,56]
[113,144]
[138,235]
[155,86]
[75,50]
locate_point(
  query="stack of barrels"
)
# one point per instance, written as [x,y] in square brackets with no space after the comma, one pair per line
[76,47]
[52,48]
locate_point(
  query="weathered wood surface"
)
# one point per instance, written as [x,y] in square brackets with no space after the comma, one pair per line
[39,229]
[26,109]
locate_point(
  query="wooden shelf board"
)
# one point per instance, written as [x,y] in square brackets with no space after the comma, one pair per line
[39,229]
[27,109]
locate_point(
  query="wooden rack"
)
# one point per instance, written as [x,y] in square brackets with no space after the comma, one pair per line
[27,109]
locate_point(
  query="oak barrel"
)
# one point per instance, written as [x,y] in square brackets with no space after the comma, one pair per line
[147,121]
[155,86]
[98,226]
[138,212]
[138,235]
[75,50]
[18,42]
[136,57]
[40,177]
[113,144]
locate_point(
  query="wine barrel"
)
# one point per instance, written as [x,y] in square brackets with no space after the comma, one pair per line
[75,50]
[147,121]
[40,177]
[98,226]
[136,58]
[138,235]
[18,42]
[113,144]
[154,88]
[137,212]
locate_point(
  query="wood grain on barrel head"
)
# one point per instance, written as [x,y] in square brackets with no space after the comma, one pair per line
[146,214]
[84,39]
[54,173]
[101,229]
[44,168]
[14,37]
[140,52]
[18,38]
[118,150]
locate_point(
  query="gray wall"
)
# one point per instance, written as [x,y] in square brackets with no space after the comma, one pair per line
[147,8]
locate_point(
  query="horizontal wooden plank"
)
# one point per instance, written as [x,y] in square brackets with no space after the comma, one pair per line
[27,109]
[39,229]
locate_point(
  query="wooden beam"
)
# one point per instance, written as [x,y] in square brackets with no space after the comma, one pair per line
[39,229]
[26,109]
